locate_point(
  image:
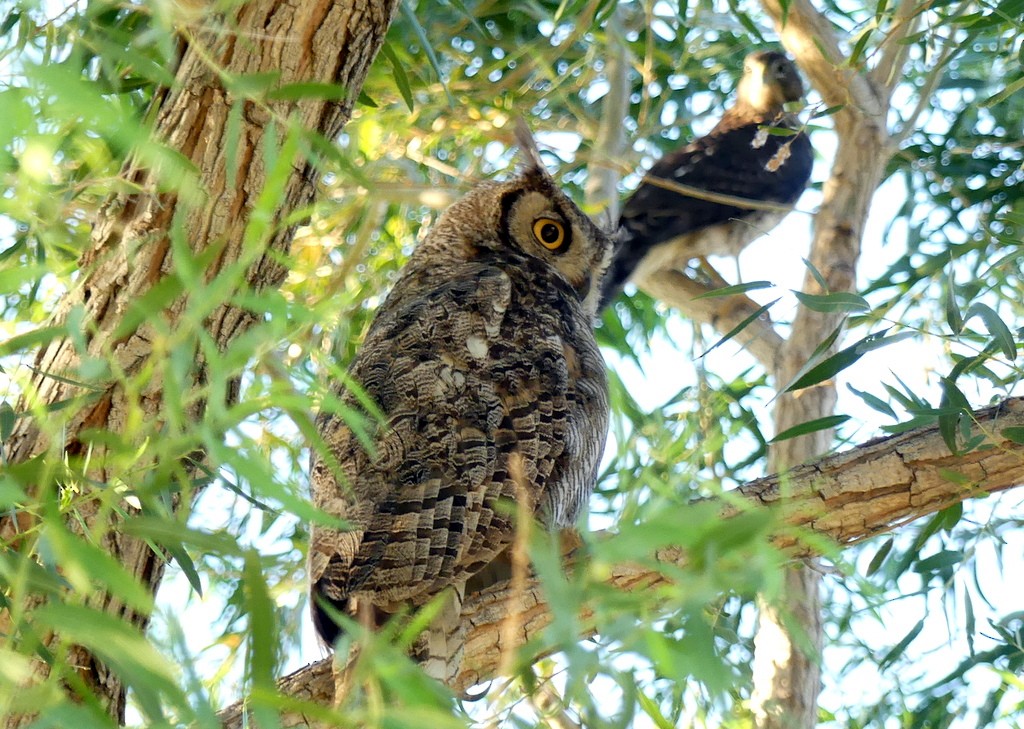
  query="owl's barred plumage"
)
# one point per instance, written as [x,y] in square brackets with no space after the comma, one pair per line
[483,362]
[661,228]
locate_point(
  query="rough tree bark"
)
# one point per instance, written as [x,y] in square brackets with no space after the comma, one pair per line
[848,497]
[130,250]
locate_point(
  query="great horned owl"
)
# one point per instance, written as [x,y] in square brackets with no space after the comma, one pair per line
[484,365]
[662,228]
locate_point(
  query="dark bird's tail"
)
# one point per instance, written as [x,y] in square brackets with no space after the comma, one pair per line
[325,625]
[625,258]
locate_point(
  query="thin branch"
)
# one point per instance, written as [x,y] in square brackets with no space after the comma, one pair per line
[847,498]
[720,197]
[610,145]
[724,313]
[931,82]
[892,48]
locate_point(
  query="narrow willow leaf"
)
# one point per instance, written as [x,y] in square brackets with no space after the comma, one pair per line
[953,406]
[951,516]
[873,401]
[741,326]
[232,135]
[940,561]
[120,645]
[829,111]
[897,650]
[7,420]
[653,712]
[188,568]
[811,426]
[308,90]
[262,623]
[427,46]
[251,85]
[879,558]
[839,301]
[1006,93]
[398,72]
[34,339]
[151,303]
[953,317]
[817,275]
[826,369]
[87,567]
[969,621]
[997,329]
[736,289]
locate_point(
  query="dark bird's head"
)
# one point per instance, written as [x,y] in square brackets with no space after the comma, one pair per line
[769,80]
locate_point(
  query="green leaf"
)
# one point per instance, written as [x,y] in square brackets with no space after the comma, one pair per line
[741,326]
[826,369]
[969,621]
[398,71]
[839,301]
[149,305]
[873,401]
[811,426]
[838,362]
[35,339]
[1014,433]
[308,90]
[1011,89]
[940,561]
[828,111]
[251,85]
[427,46]
[120,645]
[879,558]
[953,406]
[953,318]
[897,650]
[736,289]
[817,275]
[7,420]
[232,135]
[87,567]
[996,328]
[262,623]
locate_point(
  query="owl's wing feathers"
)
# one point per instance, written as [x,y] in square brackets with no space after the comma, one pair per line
[467,422]
[726,162]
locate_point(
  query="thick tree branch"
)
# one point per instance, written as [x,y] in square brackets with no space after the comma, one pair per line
[847,497]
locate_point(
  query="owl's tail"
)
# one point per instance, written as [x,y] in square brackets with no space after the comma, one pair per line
[441,647]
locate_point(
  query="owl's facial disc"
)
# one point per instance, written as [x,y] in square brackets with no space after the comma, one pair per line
[545,224]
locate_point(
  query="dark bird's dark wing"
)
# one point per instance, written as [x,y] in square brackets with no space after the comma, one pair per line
[725,162]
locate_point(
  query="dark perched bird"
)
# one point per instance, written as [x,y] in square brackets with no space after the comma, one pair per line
[483,362]
[661,228]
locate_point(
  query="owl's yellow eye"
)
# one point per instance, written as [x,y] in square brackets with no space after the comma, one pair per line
[549,233]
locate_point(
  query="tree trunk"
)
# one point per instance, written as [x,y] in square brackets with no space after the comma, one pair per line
[786,674]
[131,251]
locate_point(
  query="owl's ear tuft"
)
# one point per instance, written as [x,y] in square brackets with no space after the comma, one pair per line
[528,147]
